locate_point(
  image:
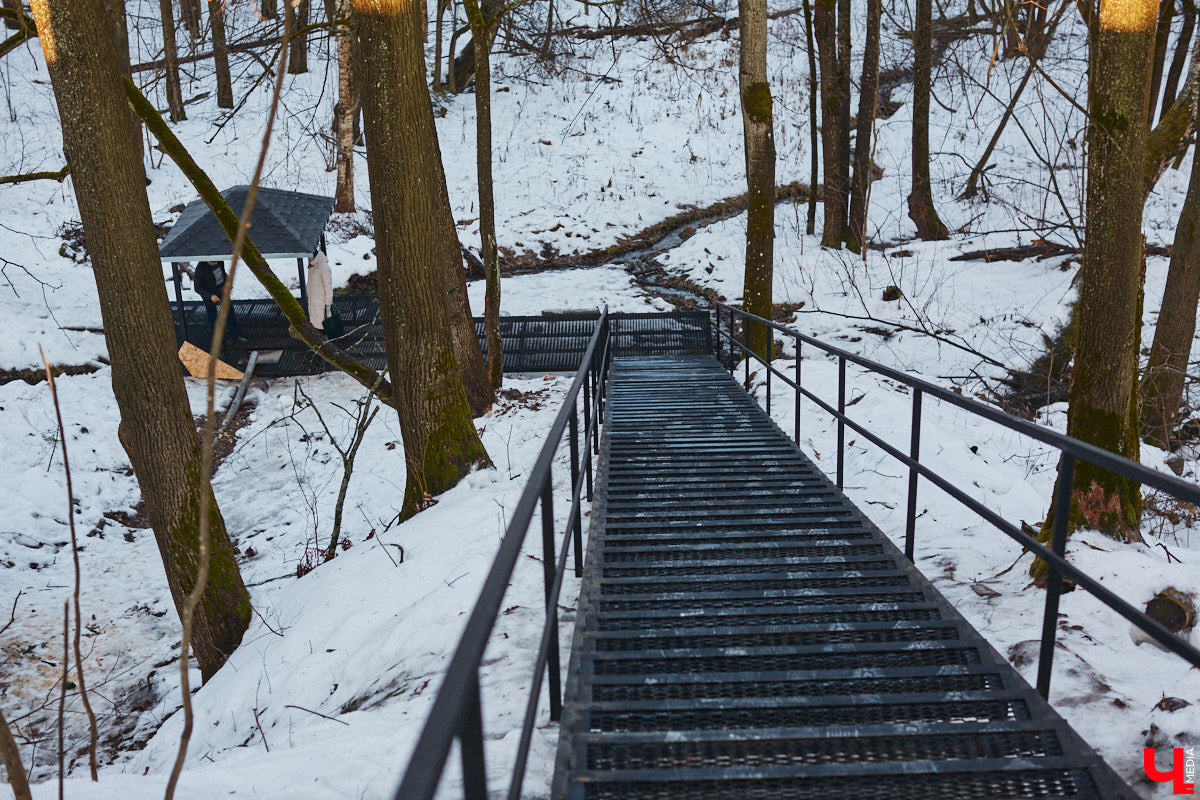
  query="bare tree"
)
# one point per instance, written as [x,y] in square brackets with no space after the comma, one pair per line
[345,110]
[156,427]
[868,102]
[216,20]
[1103,397]
[171,63]
[412,213]
[759,140]
[920,200]
[833,193]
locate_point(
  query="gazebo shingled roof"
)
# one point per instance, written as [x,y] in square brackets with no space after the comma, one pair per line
[284,225]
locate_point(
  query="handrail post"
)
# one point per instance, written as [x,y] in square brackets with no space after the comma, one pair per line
[841,423]
[1058,545]
[470,737]
[576,519]
[548,570]
[914,452]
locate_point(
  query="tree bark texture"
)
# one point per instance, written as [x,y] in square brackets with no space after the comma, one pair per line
[171,62]
[483,30]
[412,218]
[825,28]
[843,83]
[156,427]
[814,94]
[920,201]
[13,5]
[1163,383]
[759,138]
[868,102]
[216,21]
[1108,312]
[269,9]
[298,54]
[120,34]
[189,13]
[1175,71]
[344,113]
[1166,13]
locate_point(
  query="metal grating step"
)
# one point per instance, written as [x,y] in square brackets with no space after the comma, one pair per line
[879,612]
[689,687]
[795,747]
[777,659]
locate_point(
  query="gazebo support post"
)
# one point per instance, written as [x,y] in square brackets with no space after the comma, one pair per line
[175,274]
[303,289]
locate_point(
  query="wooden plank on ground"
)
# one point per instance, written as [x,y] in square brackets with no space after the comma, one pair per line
[195,361]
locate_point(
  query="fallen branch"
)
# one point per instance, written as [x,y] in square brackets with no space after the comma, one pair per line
[242,47]
[300,328]
[45,175]
[1041,250]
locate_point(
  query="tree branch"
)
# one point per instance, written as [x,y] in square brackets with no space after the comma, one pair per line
[45,175]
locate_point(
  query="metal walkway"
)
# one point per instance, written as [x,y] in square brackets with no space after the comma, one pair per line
[745,631]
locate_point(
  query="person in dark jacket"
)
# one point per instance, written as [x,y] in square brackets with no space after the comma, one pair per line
[209,283]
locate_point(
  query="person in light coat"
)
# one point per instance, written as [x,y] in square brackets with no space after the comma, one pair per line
[320,289]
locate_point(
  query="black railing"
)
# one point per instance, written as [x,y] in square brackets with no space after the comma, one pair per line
[456,712]
[1070,449]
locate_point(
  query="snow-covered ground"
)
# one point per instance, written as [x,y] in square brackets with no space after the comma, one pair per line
[590,149]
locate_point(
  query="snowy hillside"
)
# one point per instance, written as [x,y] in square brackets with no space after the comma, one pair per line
[328,692]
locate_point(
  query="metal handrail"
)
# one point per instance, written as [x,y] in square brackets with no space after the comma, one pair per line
[1070,449]
[456,712]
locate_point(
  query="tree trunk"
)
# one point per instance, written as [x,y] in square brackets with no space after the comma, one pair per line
[483,29]
[868,101]
[298,54]
[269,9]
[843,82]
[171,62]
[216,20]
[345,111]
[759,137]
[920,202]
[832,194]
[1181,52]
[1103,392]
[157,429]
[120,34]
[412,219]
[814,186]
[14,5]
[1163,383]
[189,12]
[438,39]
[1162,34]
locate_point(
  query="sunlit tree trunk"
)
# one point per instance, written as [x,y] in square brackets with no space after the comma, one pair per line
[412,215]
[1103,396]
[157,429]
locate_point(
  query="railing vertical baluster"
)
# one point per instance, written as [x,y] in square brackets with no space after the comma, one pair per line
[746,357]
[576,518]
[589,433]
[770,364]
[914,452]
[1058,545]
[841,425]
[548,570]
[798,385]
[587,411]
[470,738]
